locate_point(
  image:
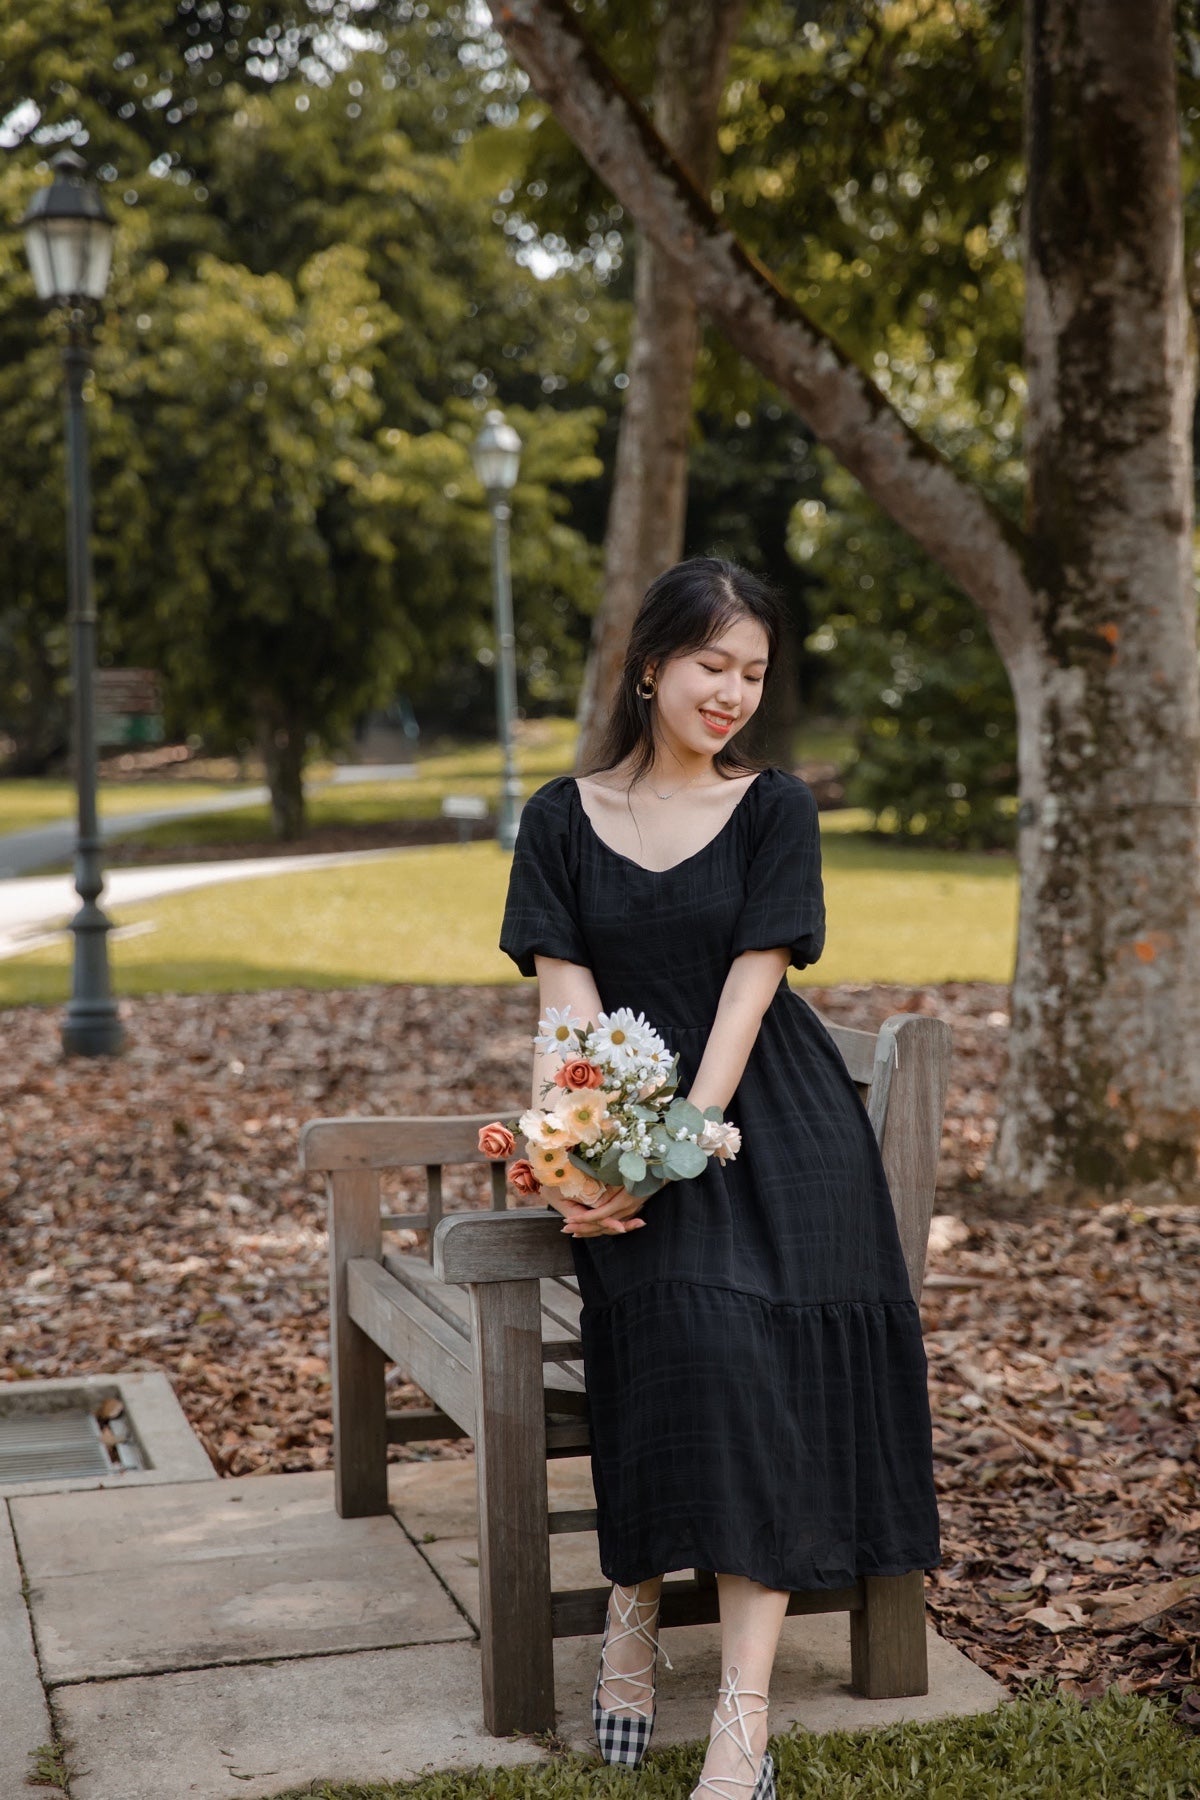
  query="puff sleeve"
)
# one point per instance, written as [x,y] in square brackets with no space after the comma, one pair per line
[540,913]
[785,901]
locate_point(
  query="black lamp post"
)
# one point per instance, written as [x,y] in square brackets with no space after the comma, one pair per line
[496,454]
[68,240]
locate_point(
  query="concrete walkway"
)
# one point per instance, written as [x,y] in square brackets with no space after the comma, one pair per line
[231,1638]
[21,852]
[34,909]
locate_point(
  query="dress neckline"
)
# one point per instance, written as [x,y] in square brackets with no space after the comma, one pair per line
[671,867]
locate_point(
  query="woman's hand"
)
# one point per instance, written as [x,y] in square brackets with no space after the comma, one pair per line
[611,1216]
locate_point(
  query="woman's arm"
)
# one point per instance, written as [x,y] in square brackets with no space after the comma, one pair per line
[561,984]
[748,991]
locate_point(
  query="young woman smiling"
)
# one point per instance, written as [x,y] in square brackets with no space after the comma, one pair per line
[753,1354]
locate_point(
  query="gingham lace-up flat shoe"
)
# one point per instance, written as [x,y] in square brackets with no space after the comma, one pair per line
[623,1733]
[731,1716]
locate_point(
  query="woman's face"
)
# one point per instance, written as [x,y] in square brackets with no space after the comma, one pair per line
[706,696]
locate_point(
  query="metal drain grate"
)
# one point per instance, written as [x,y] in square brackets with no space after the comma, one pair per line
[51,1447]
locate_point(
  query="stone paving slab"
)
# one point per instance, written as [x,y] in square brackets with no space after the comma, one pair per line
[164,1579]
[246,1733]
[811,1684]
[214,1734]
[24,1716]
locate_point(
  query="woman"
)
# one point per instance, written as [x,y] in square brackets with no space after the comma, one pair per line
[753,1353]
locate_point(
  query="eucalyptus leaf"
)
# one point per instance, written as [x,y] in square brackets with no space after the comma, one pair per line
[714,1112]
[686,1159]
[682,1115]
[632,1167]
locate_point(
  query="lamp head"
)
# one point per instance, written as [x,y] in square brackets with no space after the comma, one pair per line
[496,454]
[68,236]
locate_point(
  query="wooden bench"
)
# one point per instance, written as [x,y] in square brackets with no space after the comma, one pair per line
[487,1328]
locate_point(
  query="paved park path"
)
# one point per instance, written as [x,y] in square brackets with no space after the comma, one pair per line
[23,851]
[34,909]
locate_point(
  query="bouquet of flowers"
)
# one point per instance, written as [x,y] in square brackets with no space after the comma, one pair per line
[610,1116]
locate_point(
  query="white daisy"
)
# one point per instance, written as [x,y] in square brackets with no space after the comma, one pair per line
[560,1030]
[619,1037]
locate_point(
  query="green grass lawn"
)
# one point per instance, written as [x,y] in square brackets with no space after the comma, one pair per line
[547,749]
[432,915]
[1044,1746]
[24,805]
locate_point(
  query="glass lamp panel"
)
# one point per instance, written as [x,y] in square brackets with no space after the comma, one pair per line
[37,249]
[70,257]
[496,454]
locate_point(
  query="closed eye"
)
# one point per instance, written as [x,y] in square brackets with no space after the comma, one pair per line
[708,667]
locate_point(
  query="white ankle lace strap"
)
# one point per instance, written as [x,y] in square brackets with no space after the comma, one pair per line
[626,1605]
[732,1697]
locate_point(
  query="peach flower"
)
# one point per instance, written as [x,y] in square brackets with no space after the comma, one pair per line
[584,1111]
[496,1140]
[585,1189]
[523,1177]
[546,1130]
[578,1072]
[550,1164]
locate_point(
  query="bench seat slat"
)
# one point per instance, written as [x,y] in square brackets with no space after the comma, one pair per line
[409,1332]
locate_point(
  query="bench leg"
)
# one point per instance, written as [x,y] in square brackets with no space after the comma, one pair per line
[514,1548]
[888,1654]
[358,1365]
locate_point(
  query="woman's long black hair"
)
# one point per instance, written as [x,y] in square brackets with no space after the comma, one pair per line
[689,605]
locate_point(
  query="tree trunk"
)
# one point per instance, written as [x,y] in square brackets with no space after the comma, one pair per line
[646,514]
[1093,609]
[1103,1082]
[281,741]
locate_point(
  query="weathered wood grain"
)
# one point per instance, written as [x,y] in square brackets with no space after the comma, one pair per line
[510,1468]
[889,1656]
[357,1364]
[430,1352]
[508,1246]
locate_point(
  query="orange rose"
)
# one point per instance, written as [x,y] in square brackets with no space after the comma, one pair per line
[578,1072]
[496,1140]
[521,1177]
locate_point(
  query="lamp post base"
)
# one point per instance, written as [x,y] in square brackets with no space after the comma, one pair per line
[92,1028]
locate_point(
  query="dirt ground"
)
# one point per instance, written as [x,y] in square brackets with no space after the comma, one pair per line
[155,1217]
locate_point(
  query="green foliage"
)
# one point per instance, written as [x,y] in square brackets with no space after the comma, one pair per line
[887,201]
[310,304]
[913,667]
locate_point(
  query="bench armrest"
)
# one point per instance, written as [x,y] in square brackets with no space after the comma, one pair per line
[501,1246]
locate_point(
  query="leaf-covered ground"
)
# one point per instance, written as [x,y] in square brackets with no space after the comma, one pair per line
[155,1216]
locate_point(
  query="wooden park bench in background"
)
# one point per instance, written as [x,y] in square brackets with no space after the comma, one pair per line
[487,1328]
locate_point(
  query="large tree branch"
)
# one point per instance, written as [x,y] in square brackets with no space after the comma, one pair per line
[946,515]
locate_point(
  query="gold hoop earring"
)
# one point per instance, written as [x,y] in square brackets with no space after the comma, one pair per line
[647,687]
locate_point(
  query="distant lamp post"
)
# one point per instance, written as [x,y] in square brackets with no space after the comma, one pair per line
[496,454]
[68,240]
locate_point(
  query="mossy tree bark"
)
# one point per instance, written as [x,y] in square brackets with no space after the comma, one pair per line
[1105,1049]
[645,529]
[1092,607]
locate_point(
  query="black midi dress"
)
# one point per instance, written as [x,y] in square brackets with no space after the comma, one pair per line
[753,1356]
